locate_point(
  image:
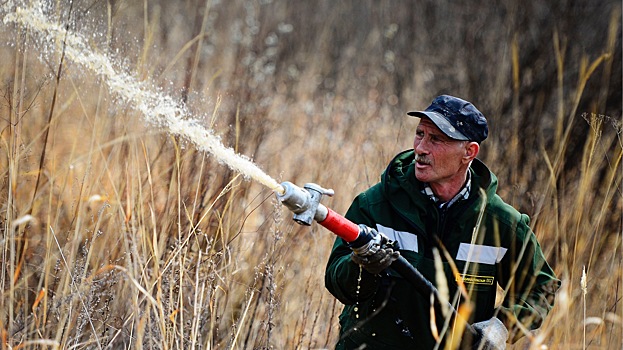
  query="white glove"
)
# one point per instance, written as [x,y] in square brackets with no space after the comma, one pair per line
[494,334]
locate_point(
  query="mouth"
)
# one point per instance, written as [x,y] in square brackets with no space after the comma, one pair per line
[421,161]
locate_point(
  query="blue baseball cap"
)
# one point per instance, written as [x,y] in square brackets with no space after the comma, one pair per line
[457,118]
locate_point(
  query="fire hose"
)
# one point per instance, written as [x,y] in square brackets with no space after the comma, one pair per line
[305,204]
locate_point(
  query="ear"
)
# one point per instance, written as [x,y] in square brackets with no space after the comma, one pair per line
[471,151]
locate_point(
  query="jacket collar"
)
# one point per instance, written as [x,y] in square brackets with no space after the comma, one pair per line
[401,185]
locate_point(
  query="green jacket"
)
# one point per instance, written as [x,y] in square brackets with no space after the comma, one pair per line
[386,312]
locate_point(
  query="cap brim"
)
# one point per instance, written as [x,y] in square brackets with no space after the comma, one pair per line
[442,123]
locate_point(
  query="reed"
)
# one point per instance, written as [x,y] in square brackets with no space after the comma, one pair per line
[120,234]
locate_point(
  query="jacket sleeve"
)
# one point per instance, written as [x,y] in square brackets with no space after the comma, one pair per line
[346,280]
[529,282]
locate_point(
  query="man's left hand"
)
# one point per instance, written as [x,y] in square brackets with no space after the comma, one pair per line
[493,334]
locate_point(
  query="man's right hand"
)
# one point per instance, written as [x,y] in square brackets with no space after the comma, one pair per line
[378,261]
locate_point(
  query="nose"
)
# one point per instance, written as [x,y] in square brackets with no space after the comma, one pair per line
[420,145]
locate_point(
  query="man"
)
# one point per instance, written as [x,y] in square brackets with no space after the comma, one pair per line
[439,201]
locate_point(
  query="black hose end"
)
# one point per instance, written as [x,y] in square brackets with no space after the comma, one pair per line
[366,234]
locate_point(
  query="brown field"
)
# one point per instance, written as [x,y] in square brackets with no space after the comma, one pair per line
[117,234]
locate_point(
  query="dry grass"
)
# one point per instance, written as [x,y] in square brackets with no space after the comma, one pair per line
[118,235]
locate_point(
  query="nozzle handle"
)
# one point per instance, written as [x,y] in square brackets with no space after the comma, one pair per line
[341,226]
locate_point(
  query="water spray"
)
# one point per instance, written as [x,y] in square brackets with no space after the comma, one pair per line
[156,107]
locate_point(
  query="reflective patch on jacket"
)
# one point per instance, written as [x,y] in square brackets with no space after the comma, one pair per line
[481,254]
[406,240]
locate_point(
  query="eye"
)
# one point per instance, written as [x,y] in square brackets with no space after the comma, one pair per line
[419,134]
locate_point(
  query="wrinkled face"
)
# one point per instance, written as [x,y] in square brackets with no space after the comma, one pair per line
[439,159]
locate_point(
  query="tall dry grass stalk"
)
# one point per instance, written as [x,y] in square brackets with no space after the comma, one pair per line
[116,234]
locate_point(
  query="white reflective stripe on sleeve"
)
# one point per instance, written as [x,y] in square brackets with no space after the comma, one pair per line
[480,253]
[406,240]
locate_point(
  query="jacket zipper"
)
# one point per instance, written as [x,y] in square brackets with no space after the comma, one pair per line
[442,216]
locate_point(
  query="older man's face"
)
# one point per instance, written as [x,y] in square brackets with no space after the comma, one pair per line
[439,158]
